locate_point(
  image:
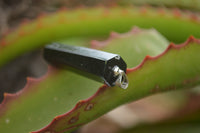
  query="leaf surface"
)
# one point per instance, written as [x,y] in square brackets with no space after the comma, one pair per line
[175,25]
[176,68]
[43,99]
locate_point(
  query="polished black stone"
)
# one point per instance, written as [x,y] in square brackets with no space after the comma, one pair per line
[91,63]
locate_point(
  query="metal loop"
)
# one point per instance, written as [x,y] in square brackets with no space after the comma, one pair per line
[122,80]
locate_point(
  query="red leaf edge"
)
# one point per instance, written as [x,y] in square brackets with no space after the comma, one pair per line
[49,128]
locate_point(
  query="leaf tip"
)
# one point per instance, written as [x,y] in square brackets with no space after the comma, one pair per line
[161,11]
[106,12]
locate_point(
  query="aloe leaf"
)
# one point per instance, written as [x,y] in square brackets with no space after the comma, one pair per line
[150,82]
[192,5]
[41,101]
[174,25]
[38,103]
[42,95]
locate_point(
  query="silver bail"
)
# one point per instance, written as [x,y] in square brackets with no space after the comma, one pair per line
[122,80]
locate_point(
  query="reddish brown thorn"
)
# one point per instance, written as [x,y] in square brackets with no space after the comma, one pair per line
[143,10]
[39,18]
[3,42]
[176,13]
[6,32]
[7,98]
[94,44]
[106,13]
[97,44]
[24,22]
[114,34]
[31,80]
[147,57]
[135,30]
[63,9]
[194,17]
[190,39]
[161,11]
[79,104]
[125,12]
[102,89]
[41,15]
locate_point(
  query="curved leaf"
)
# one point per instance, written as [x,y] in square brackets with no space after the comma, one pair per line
[190,4]
[35,107]
[176,68]
[58,92]
[96,22]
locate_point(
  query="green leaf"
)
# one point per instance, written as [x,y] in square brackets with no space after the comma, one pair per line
[58,93]
[96,22]
[43,99]
[188,4]
[40,101]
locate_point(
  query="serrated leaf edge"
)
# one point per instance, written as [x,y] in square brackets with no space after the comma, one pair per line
[86,102]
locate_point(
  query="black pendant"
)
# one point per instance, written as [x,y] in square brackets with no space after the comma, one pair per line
[99,65]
